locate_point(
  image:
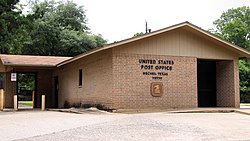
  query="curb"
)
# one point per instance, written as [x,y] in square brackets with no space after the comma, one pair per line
[64,110]
[241,112]
[79,111]
[205,111]
[133,111]
[214,111]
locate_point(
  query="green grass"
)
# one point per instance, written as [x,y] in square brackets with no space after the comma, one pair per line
[245,104]
[28,103]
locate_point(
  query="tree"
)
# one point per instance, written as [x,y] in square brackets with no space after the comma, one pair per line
[59,29]
[10,20]
[138,34]
[244,81]
[234,26]
[74,42]
[50,28]
[65,15]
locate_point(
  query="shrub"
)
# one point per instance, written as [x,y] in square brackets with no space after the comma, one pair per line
[98,106]
[66,104]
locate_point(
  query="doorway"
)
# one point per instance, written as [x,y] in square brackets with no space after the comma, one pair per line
[26,90]
[56,92]
[206,75]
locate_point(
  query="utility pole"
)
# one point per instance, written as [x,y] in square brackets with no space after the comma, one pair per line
[147,30]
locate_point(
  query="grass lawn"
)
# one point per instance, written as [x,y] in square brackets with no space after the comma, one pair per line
[245,104]
[28,103]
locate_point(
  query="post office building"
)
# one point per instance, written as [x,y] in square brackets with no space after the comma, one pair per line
[181,66]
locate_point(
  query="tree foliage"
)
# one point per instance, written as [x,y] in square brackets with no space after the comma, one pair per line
[66,15]
[52,28]
[234,26]
[138,34]
[10,22]
[244,66]
[60,28]
[26,81]
[245,76]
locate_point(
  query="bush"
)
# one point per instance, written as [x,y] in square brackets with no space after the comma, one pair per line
[66,104]
[98,106]
[87,105]
[76,105]
[245,97]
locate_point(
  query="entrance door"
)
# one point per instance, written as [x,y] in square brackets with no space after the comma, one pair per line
[56,92]
[206,83]
[26,86]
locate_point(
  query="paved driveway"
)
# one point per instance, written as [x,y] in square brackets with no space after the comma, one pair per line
[58,126]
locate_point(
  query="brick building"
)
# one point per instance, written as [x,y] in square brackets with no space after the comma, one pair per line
[181,66]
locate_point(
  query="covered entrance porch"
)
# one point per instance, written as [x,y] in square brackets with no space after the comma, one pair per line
[218,83]
[28,77]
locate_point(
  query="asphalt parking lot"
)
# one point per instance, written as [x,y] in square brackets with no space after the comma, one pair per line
[60,126]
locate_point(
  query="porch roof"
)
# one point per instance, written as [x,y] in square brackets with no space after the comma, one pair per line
[28,60]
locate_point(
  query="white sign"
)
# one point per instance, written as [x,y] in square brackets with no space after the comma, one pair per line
[13,77]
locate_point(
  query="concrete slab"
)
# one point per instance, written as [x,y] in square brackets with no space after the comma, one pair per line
[245,111]
[60,126]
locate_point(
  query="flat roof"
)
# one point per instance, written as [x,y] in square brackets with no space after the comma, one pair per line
[241,51]
[29,60]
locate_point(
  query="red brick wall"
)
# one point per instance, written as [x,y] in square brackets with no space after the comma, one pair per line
[131,89]
[227,76]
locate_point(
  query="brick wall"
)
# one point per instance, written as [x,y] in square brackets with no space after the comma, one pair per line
[97,80]
[44,86]
[236,83]
[227,76]
[131,88]
[116,80]
[10,90]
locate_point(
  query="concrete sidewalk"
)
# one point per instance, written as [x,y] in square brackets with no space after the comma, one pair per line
[93,110]
[93,124]
[60,126]
[214,110]
[245,111]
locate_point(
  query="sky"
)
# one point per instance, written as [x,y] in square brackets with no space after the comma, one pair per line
[120,19]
